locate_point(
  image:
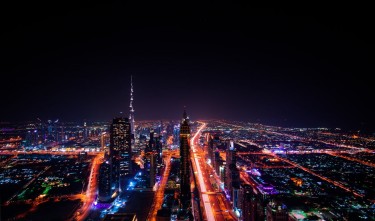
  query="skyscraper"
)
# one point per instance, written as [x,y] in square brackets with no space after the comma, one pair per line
[131,110]
[105,182]
[150,167]
[150,162]
[185,194]
[232,178]
[85,131]
[157,147]
[247,203]
[120,147]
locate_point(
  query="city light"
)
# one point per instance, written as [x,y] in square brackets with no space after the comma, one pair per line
[95,99]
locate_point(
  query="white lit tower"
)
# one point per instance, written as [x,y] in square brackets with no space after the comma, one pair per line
[131,111]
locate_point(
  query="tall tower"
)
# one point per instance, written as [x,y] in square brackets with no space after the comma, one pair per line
[150,164]
[131,111]
[232,178]
[120,148]
[185,195]
[105,182]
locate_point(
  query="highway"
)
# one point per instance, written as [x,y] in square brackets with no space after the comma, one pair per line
[197,170]
[7,161]
[214,204]
[159,195]
[91,190]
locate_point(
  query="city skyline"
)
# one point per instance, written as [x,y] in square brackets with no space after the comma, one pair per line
[238,171]
[272,66]
[179,112]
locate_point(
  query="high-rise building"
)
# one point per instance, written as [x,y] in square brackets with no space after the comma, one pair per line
[103,137]
[85,131]
[232,173]
[62,135]
[151,141]
[158,148]
[150,162]
[131,110]
[105,182]
[210,150]
[120,147]
[150,167]
[246,203]
[185,194]
[52,133]
[176,135]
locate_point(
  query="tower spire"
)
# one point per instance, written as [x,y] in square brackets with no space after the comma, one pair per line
[131,111]
[184,115]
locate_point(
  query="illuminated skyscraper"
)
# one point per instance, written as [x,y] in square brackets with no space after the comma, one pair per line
[176,132]
[120,147]
[131,111]
[232,178]
[185,195]
[103,137]
[150,162]
[150,167]
[52,132]
[105,182]
[158,148]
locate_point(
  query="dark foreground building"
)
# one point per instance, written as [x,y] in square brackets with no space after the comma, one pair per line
[185,193]
[121,217]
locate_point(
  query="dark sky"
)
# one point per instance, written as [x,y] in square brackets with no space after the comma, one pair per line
[279,66]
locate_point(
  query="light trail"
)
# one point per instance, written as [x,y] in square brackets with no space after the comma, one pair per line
[6,162]
[206,202]
[200,178]
[159,195]
[217,203]
[89,197]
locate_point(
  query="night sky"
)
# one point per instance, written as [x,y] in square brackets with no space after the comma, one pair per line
[277,66]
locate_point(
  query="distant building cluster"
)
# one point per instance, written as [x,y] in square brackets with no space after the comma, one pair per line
[272,173]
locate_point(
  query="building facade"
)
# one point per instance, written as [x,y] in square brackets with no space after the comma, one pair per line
[185,194]
[120,149]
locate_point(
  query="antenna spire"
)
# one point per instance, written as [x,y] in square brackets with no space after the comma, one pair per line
[185,114]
